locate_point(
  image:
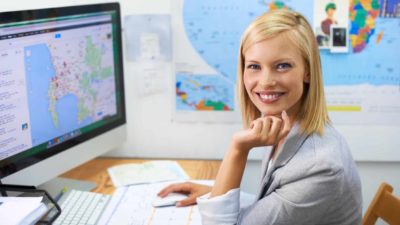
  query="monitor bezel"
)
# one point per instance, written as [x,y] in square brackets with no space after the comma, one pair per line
[13,165]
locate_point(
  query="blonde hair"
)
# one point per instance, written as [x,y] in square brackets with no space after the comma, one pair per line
[313,115]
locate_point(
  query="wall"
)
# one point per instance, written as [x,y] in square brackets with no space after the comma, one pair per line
[152,134]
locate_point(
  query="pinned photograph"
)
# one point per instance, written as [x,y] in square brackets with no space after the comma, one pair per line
[328,13]
[338,39]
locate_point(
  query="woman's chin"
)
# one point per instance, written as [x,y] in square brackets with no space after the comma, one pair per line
[272,113]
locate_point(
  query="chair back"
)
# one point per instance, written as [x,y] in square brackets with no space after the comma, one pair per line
[385,205]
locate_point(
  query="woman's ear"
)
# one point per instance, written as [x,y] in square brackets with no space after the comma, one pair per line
[306,78]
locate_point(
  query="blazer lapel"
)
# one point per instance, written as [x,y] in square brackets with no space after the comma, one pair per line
[292,144]
[265,160]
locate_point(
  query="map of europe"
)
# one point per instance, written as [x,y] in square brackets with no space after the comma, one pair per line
[70,85]
[214,29]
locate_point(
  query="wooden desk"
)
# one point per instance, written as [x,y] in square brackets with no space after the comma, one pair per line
[96,171]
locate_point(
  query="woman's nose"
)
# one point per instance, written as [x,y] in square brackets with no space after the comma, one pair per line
[267,79]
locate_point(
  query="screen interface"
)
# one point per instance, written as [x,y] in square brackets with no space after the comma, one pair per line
[57,81]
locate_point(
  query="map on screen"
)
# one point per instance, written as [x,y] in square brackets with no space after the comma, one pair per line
[80,87]
[63,76]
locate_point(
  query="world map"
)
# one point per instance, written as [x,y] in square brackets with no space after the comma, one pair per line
[214,29]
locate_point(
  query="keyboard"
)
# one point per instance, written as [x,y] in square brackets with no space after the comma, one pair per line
[81,208]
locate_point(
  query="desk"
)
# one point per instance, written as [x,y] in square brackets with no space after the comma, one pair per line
[96,171]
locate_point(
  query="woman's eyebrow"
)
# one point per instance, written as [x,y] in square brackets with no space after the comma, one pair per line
[284,59]
[290,60]
[251,60]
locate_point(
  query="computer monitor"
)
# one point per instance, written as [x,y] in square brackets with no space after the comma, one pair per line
[61,90]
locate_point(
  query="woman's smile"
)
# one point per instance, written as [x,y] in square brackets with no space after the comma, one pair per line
[269,96]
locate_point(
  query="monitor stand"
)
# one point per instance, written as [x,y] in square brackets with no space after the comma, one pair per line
[56,185]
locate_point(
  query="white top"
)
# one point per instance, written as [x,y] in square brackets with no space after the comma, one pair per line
[223,209]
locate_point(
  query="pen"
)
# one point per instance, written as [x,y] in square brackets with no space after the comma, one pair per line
[62,192]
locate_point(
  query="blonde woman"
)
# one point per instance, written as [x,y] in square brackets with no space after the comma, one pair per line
[309,177]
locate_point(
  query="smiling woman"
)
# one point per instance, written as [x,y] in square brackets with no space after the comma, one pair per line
[310,176]
[274,76]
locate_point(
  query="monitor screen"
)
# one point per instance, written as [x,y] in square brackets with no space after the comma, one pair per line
[61,85]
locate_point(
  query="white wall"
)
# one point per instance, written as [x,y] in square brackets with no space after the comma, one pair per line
[151,132]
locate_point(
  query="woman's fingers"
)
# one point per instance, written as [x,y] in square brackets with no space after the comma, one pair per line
[192,189]
[191,200]
[286,125]
[257,126]
[165,191]
[263,131]
[266,122]
[178,187]
[275,129]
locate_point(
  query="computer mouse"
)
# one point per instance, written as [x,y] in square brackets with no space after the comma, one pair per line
[169,200]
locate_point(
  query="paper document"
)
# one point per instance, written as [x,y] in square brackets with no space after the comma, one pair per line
[15,210]
[148,172]
[132,205]
[148,38]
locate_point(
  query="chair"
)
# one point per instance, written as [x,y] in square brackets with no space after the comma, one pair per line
[385,205]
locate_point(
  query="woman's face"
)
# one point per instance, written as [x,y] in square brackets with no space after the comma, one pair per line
[274,76]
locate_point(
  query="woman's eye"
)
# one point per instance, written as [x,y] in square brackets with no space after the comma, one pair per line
[253,67]
[283,66]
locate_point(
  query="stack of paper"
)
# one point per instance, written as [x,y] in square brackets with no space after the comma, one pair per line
[148,172]
[21,210]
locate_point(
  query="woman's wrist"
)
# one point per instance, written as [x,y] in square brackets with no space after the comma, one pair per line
[239,149]
[238,143]
[231,171]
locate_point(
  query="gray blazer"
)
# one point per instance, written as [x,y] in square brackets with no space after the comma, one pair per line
[313,180]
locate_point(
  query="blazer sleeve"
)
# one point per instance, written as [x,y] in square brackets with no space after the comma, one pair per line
[302,199]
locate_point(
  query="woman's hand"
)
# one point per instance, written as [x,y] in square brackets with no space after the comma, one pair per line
[191,189]
[264,131]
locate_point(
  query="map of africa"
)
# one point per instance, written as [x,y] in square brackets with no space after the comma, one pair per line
[214,29]
[78,88]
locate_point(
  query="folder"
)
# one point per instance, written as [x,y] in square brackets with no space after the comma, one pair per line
[48,211]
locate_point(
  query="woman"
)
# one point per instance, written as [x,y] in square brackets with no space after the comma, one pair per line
[309,177]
